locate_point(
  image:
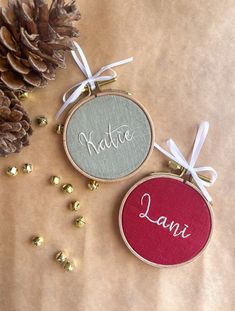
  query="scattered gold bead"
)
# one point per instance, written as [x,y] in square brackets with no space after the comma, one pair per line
[61,257]
[59,128]
[55,180]
[67,188]
[79,222]
[41,121]
[63,260]
[22,95]
[12,171]
[27,168]
[37,240]
[68,266]
[74,206]
[93,185]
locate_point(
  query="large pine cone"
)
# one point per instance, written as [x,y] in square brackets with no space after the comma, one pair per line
[33,41]
[15,125]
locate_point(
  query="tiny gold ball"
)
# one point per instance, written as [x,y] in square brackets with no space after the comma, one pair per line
[93,185]
[55,180]
[27,168]
[60,257]
[67,188]
[80,222]
[74,206]
[68,266]
[41,121]
[12,171]
[37,240]
[59,128]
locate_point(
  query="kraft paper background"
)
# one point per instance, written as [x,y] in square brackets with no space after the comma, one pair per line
[183,73]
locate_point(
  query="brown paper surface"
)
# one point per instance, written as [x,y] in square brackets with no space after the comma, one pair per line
[183,73]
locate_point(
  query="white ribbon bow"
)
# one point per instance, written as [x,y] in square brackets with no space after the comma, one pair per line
[177,156]
[91,79]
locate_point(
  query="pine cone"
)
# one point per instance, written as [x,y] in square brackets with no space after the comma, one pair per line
[15,125]
[33,41]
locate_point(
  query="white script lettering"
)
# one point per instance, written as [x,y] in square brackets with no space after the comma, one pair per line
[173,227]
[113,138]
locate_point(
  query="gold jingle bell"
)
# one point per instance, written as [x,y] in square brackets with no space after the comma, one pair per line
[37,240]
[41,121]
[22,95]
[68,266]
[55,180]
[80,222]
[93,185]
[67,188]
[12,171]
[74,206]
[60,257]
[27,168]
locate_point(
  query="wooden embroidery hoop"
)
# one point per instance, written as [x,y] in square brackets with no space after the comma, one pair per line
[171,176]
[86,100]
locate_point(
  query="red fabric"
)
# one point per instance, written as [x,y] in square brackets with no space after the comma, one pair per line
[180,203]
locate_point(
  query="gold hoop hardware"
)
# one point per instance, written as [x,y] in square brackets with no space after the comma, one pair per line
[87,88]
[181,171]
[99,85]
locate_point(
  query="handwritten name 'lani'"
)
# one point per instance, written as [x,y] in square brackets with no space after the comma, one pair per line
[173,227]
[113,138]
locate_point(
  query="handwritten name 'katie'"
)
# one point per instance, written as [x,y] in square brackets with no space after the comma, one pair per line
[173,227]
[113,138]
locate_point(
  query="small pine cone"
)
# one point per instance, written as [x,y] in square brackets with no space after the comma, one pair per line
[15,124]
[33,41]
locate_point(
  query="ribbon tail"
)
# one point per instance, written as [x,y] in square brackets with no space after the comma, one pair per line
[199,141]
[166,153]
[174,156]
[84,66]
[72,98]
[79,63]
[110,66]
[176,152]
[200,185]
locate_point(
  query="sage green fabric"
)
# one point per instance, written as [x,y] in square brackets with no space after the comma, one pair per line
[125,148]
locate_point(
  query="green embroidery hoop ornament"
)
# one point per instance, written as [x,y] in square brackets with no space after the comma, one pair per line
[108,135]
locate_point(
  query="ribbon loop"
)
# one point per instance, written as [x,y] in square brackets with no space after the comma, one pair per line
[91,80]
[177,156]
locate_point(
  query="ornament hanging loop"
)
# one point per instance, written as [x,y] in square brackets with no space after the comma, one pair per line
[91,81]
[188,168]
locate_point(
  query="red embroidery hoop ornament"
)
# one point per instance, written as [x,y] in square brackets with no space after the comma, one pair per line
[165,219]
